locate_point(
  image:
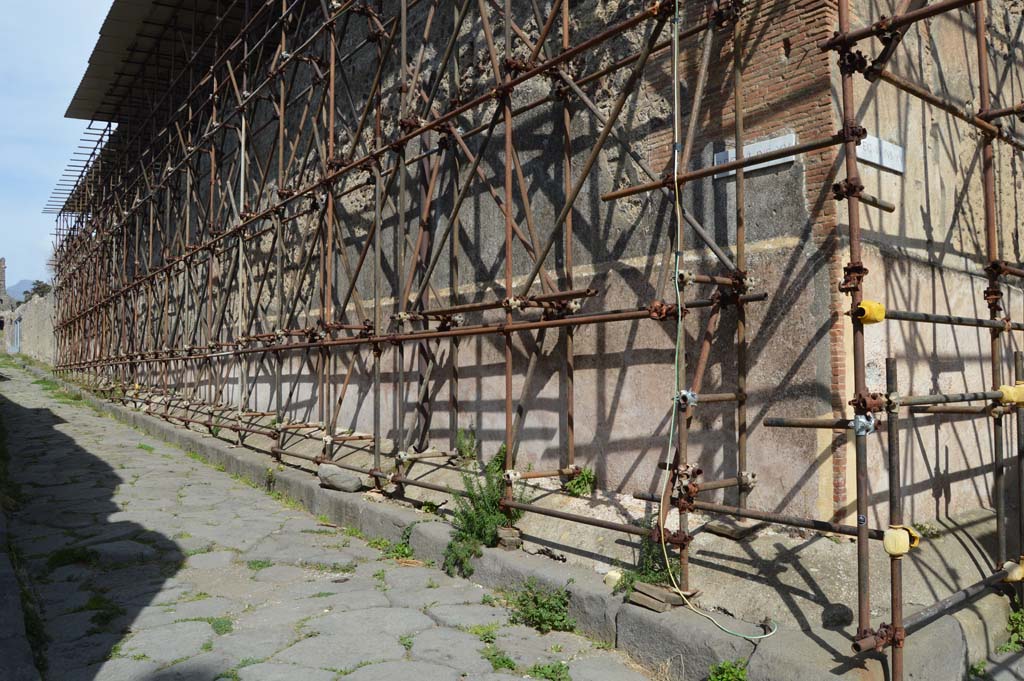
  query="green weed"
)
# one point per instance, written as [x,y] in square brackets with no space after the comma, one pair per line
[71,555]
[542,608]
[104,610]
[1015,626]
[466,444]
[650,565]
[220,625]
[196,456]
[478,515]
[582,484]
[978,671]
[728,671]
[487,633]
[552,671]
[498,658]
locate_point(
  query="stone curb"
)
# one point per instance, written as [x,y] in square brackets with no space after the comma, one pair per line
[677,645]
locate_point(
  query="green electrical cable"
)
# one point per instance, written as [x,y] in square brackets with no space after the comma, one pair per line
[678,212]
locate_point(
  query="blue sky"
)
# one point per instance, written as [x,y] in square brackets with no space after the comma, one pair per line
[44,47]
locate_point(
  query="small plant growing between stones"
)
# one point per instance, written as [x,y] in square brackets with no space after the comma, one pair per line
[478,515]
[269,478]
[10,491]
[466,444]
[284,500]
[487,633]
[400,549]
[927,531]
[196,456]
[146,448]
[541,608]
[978,671]
[728,670]
[650,565]
[257,565]
[582,484]
[104,610]
[1015,626]
[35,627]
[220,625]
[333,567]
[193,597]
[382,580]
[552,671]
[488,599]
[75,555]
[406,642]
[498,658]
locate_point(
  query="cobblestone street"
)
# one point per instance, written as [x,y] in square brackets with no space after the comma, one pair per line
[147,563]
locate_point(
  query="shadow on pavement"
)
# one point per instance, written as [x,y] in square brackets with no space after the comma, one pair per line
[91,570]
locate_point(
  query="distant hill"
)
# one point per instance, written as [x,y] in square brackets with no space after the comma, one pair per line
[17,291]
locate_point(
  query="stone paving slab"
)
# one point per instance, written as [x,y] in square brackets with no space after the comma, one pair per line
[152,566]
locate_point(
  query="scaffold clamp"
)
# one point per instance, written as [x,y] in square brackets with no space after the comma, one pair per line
[863,424]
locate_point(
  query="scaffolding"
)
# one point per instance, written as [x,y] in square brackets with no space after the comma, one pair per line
[221,240]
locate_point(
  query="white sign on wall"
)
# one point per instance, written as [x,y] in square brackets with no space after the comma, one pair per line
[881,153]
[763,147]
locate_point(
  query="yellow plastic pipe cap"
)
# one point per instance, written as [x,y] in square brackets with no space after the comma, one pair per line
[870,312]
[899,539]
[1012,394]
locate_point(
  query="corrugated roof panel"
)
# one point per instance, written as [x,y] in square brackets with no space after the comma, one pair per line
[127,34]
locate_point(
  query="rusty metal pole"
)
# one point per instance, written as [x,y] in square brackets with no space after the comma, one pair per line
[328,301]
[1018,372]
[993,294]
[401,228]
[506,104]
[853,284]
[895,520]
[570,332]
[378,200]
[741,263]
